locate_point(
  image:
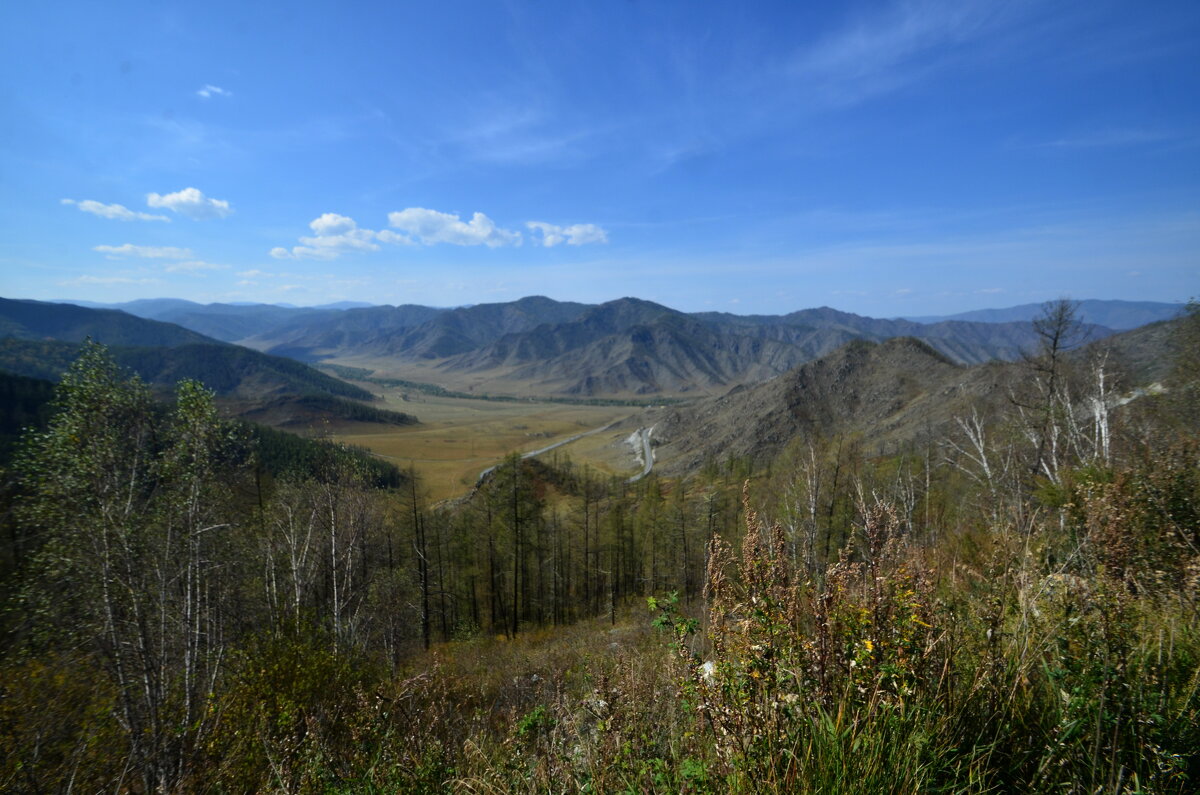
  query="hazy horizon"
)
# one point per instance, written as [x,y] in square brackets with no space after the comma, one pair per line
[734,311]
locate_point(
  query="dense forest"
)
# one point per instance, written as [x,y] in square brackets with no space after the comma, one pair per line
[1011,607]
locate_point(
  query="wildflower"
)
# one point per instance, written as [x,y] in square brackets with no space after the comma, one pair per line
[708,671]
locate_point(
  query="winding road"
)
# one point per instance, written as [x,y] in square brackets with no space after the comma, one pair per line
[639,437]
[550,447]
[647,454]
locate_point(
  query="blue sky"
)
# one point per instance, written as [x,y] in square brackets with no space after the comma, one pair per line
[883,158]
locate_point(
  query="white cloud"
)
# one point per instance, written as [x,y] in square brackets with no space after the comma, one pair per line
[388,236]
[117,212]
[192,203]
[431,226]
[574,235]
[148,252]
[210,90]
[332,224]
[194,266]
[335,235]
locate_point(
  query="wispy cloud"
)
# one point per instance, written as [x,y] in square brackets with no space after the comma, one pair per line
[517,133]
[1103,139]
[209,91]
[192,203]
[889,50]
[146,252]
[573,235]
[116,212]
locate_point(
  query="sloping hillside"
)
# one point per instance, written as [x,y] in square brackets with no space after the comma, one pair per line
[39,320]
[893,388]
[900,391]
[411,331]
[228,370]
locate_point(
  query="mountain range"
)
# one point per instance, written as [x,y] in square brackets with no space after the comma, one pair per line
[626,347]
[623,348]
[1116,315]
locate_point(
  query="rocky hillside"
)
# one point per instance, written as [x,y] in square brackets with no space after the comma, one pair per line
[898,389]
[894,393]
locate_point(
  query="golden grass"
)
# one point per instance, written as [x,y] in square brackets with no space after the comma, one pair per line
[458,438]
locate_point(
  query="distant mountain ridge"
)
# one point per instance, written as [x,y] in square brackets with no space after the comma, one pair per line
[626,347]
[1117,315]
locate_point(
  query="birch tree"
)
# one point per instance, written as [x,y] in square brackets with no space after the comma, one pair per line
[126,510]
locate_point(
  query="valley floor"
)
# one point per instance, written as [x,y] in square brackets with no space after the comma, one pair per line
[458,438]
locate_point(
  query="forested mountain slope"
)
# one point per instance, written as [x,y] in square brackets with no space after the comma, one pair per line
[228,370]
[37,320]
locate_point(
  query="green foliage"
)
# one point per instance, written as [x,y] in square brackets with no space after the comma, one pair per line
[290,698]
[535,723]
[57,726]
[122,508]
[24,403]
[290,457]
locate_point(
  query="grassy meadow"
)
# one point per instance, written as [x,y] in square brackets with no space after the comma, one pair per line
[458,438]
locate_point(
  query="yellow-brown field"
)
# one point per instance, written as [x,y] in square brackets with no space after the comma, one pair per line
[458,438]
